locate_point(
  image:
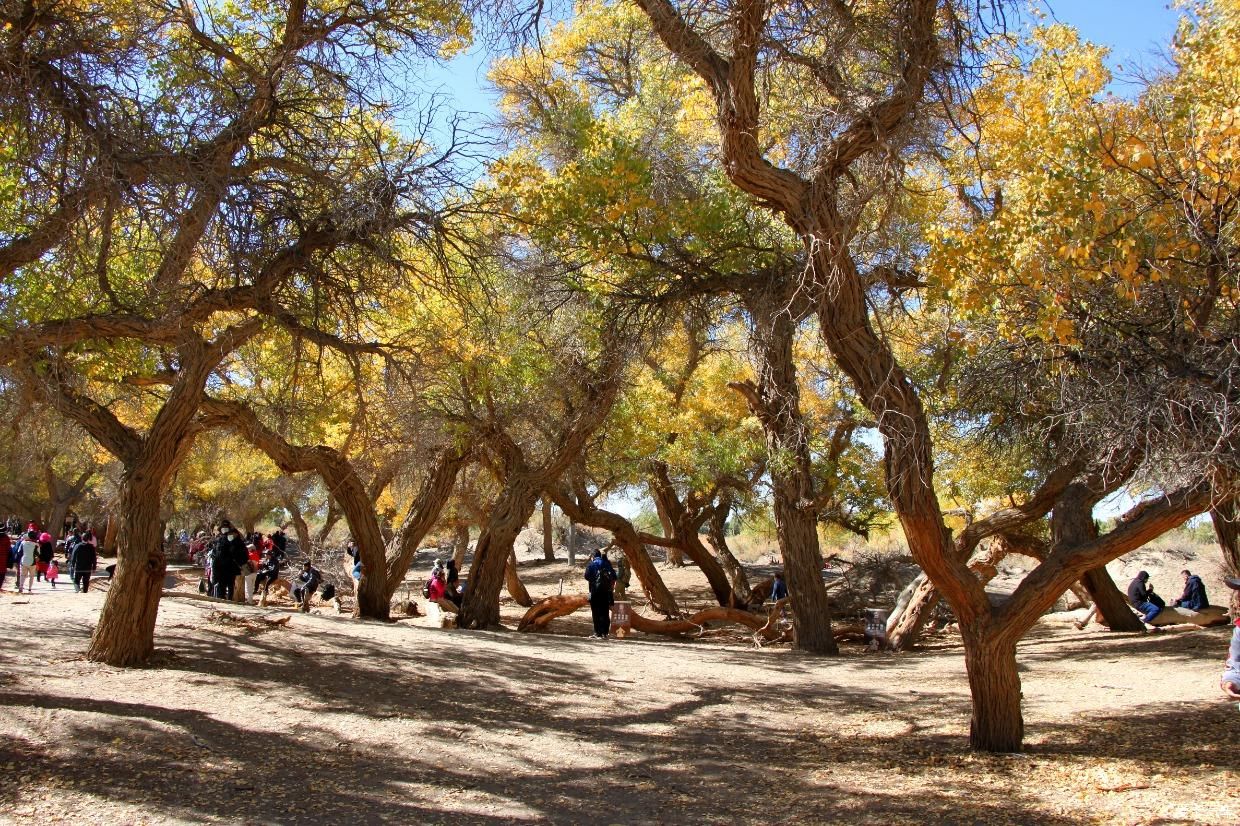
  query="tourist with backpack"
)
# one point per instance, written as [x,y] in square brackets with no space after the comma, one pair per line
[601,578]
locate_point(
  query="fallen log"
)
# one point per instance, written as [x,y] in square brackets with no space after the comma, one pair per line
[765,628]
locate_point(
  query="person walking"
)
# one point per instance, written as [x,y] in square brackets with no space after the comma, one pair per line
[29,556]
[85,558]
[53,572]
[601,579]
[47,550]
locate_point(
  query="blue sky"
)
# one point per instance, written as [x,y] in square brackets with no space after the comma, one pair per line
[1134,29]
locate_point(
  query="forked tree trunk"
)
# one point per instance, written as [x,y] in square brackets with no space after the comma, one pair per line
[776,400]
[460,545]
[1226,520]
[1112,604]
[717,536]
[508,516]
[690,541]
[997,723]
[512,581]
[125,634]
[548,539]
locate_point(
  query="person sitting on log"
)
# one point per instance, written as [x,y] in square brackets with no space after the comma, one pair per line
[1142,597]
[437,592]
[1194,596]
[307,583]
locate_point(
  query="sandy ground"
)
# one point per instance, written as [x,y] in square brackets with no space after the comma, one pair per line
[328,720]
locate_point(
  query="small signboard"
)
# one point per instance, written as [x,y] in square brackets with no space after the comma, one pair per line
[622,615]
[876,626]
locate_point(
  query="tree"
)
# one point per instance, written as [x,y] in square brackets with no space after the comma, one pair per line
[835,156]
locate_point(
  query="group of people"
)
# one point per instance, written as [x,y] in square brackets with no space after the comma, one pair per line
[32,552]
[231,562]
[444,588]
[1149,604]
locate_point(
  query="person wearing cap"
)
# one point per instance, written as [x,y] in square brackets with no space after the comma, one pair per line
[1142,597]
[601,578]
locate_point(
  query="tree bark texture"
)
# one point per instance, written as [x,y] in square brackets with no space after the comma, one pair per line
[1072,524]
[1111,602]
[513,583]
[997,723]
[508,516]
[460,544]
[547,534]
[716,534]
[125,633]
[776,401]
[1225,517]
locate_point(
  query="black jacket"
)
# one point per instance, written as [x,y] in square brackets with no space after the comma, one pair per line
[1138,591]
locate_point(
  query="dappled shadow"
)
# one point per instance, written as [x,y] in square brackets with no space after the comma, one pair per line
[455,716]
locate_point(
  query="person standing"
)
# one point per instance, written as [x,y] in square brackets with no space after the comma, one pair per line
[1142,597]
[6,554]
[601,578]
[29,556]
[85,558]
[1194,597]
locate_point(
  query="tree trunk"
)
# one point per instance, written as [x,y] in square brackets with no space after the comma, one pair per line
[460,545]
[548,546]
[508,516]
[675,556]
[717,536]
[299,525]
[512,581]
[1111,602]
[125,634]
[111,533]
[1226,521]
[691,542]
[56,522]
[776,400]
[997,724]
[1072,523]
[904,628]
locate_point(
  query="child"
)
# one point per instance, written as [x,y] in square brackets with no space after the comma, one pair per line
[53,571]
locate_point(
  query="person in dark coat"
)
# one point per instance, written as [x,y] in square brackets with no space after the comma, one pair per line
[307,583]
[601,578]
[83,563]
[1194,597]
[1142,597]
[228,556]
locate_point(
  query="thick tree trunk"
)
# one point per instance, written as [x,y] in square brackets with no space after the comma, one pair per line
[1112,604]
[508,516]
[512,581]
[1226,520]
[691,542]
[125,634]
[56,522]
[997,724]
[547,538]
[460,545]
